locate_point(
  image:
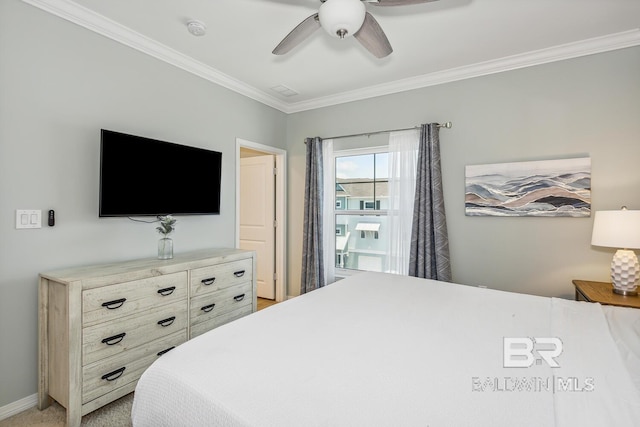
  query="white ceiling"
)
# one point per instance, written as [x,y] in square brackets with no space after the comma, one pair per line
[433,43]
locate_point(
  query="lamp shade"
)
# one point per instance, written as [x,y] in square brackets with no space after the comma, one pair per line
[616,229]
[342,18]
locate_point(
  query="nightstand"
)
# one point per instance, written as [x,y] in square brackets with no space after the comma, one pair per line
[602,292]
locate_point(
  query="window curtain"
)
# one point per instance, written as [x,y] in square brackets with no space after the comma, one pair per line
[429,257]
[312,246]
[403,159]
[329,240]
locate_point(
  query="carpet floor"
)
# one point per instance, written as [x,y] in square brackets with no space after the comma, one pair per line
[115,414]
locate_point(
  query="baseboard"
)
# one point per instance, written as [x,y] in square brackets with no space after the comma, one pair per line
[18,406]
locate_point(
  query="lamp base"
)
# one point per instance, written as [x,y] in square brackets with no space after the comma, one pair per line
[625,272]
[625,293]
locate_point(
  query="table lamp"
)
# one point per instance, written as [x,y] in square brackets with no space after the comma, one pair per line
[620,229]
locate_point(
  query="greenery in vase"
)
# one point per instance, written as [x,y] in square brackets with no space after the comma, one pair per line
[167,225]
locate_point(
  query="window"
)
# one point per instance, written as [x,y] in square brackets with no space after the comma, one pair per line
[361,182]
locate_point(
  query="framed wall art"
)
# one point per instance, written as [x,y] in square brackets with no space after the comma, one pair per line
[538,188]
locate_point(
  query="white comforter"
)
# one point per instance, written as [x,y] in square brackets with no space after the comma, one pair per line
[385,350]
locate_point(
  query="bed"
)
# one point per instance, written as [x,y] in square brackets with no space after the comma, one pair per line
[384,350]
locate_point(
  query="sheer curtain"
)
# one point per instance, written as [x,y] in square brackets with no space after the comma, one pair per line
[329,240]
[403,159]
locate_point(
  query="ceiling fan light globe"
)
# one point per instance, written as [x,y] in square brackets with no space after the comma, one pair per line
[342,18]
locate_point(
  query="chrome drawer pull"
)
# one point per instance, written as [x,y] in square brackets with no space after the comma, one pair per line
[112,376]
[238,298]
[238,273]
[114,339]
[167,322]
[112,305]
[160,353]
[166,291]
[208,281]
[208,308]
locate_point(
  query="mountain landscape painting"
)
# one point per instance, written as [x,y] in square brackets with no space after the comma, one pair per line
[538,188]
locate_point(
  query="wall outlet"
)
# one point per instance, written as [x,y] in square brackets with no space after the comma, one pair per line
[28,218]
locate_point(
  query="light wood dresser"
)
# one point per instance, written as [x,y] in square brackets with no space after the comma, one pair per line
[101,326]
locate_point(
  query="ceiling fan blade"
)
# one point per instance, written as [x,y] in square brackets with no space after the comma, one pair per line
[398,2]
[373,38]
[298,35]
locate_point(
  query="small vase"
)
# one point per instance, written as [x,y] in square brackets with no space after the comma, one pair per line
[165,248]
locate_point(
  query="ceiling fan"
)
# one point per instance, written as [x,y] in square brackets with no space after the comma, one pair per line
[344,18]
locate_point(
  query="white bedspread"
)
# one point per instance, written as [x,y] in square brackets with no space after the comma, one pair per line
[384,350]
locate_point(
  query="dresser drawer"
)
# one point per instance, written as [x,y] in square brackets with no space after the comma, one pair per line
[202,327]
[109,374]
[214,304]
[109,338]
[119,300]
[220,276]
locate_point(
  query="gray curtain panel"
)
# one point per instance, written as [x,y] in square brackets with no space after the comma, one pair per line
[312,256]
[429,256]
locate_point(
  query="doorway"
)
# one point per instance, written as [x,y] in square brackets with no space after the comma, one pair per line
[260,213]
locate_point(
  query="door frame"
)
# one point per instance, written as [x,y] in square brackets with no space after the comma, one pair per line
[280,205]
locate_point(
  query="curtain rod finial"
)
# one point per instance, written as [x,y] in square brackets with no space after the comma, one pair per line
[446,125]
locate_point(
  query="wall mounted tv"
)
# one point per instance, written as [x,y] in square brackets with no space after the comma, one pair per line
[144,177]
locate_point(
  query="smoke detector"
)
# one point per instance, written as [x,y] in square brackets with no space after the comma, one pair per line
[196,28]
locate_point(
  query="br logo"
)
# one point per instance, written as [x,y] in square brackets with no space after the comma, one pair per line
[524,352]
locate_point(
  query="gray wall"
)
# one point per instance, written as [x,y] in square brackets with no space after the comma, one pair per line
[59,84]
[585,106]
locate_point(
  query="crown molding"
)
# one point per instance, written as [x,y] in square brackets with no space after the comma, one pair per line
[97,23]
[543,56]
[93,21]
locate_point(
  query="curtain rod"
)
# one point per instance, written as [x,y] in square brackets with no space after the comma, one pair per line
[446,125]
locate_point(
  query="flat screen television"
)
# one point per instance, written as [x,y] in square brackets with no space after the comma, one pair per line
[146,177]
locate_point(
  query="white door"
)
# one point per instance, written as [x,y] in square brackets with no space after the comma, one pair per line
[257,217]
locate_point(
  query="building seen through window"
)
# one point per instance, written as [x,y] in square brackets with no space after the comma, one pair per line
[361,203]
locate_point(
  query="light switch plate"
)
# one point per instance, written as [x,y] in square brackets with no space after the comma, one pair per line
[28,218]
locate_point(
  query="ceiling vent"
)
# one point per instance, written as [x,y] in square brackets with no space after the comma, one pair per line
[284,91]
